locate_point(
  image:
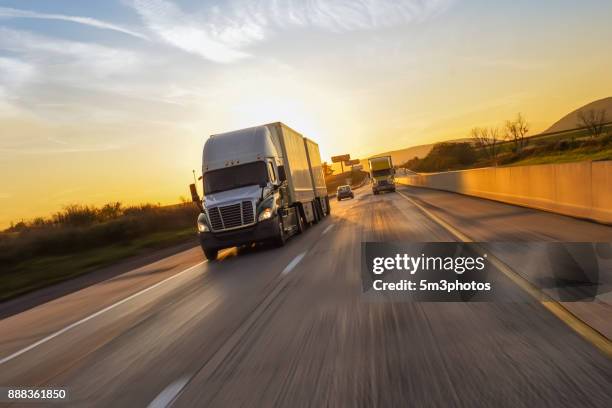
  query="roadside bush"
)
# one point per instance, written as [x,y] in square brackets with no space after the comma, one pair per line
[510,158]
[562,145]
[591,143]
[445,156]
[80,228]
[77,215]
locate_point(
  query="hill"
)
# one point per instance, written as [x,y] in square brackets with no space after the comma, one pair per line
[403,155]
[570,121]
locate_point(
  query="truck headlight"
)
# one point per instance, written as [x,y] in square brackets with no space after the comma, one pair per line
[265,214]
[202,226]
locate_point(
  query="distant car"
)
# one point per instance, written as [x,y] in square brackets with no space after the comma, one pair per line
[344,192]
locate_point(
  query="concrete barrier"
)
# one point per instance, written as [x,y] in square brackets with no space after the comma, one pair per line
[582,189]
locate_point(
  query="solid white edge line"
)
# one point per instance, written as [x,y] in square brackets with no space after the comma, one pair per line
[96,314]
[454,231]
[293,263]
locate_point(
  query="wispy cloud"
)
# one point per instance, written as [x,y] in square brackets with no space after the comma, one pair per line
[346,15]
[73,58]
[221,33]
[6,12]
[212,36]
[14,72]
[61,78]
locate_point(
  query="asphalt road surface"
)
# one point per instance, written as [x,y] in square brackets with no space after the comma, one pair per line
[289,327]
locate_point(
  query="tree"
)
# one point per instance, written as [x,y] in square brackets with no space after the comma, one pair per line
[593,120]
[487,139]
[516,130]
[327,169]
[444,157]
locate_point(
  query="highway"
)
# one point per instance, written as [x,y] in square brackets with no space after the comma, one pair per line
[289,327]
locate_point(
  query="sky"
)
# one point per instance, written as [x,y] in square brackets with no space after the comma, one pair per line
[112,101]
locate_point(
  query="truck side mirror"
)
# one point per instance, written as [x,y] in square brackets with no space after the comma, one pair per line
[195,197]
[282,176]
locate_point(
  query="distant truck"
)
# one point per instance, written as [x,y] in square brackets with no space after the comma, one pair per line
[263,183]
[382,174]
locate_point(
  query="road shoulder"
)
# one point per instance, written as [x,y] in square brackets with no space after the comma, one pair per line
[484,220]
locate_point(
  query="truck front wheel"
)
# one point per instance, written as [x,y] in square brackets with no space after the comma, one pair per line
[280,238]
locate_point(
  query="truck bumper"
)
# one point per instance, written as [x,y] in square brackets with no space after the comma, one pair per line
[384,187]
[256,233]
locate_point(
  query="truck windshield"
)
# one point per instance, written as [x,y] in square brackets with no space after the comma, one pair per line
[380,173]
[236,176]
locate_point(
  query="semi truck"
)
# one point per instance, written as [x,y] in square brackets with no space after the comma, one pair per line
[261,184]
[382,174]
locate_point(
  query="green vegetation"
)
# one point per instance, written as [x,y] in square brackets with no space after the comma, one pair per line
[575,155]
[514,149]
[81,238]
[445,156]
[560,149]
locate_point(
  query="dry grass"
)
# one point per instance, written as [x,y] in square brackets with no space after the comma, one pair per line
[79,238]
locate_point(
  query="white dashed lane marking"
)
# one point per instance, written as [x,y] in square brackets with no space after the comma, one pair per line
[293,263]
[326,230]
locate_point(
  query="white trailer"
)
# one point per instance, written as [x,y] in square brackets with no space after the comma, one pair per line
[317,176]
[291,148]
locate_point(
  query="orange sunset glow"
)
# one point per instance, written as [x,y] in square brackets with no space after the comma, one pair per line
[116,106]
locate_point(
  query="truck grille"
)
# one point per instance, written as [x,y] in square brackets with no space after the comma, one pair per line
[231,216]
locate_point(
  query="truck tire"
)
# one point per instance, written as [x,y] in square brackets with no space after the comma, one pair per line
[327,207]
[317,211]
[301,226]
[210,253]
[280,238]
